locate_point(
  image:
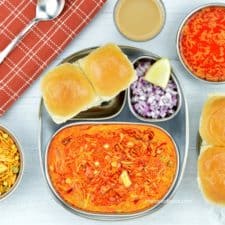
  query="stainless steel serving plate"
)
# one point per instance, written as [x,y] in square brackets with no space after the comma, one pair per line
[177,127]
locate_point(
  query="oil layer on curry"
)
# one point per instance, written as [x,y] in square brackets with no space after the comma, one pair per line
[112,168]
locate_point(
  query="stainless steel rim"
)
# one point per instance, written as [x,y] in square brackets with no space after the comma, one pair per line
[155,120]
[148,39]
[105,216]
[21,171]
[178,39]
[198,142]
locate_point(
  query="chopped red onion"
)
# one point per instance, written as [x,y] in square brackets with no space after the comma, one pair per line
[151,101]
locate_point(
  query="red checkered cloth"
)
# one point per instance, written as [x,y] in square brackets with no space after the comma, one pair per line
[40,46]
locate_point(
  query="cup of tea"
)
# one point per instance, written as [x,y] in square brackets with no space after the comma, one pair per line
[139,20]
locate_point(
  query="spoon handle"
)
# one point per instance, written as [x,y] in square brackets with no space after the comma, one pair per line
[5,52]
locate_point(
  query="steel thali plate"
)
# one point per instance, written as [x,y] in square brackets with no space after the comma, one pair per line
[177,127]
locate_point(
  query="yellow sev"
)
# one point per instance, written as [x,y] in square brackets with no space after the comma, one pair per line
[9,162]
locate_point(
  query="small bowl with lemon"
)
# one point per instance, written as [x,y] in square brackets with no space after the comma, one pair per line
[155,96]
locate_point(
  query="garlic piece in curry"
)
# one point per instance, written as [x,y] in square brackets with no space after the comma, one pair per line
[125,179]
[3,168]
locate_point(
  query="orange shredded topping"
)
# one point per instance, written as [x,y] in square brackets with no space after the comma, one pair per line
[202,43]
[112,168]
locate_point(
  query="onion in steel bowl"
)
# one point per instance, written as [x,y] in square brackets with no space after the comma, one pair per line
[150,101]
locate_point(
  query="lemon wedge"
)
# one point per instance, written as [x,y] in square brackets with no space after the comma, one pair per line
[159,73]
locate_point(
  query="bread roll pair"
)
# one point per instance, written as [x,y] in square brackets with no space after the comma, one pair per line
[211,162]
[69,89]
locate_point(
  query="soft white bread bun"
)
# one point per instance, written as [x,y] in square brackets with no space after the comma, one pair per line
[109,70]
[212,122]
[66,92]
[211,174]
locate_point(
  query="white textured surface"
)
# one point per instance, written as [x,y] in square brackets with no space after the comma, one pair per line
[32,202]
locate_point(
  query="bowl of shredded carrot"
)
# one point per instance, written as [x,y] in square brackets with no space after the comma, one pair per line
[11,163]
[201,43]
[111,168]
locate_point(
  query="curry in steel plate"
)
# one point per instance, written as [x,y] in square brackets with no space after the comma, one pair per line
[112,168]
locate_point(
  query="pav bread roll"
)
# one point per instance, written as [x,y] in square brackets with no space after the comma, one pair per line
[212,122]
[66,92]
[69,89]
[109,70]
[211,174]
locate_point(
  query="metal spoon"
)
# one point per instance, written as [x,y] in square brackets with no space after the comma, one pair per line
[45,10]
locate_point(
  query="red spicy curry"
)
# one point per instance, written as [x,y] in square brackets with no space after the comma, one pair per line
[112,168]
[202,43]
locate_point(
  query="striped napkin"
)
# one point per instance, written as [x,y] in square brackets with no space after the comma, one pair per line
[40,46]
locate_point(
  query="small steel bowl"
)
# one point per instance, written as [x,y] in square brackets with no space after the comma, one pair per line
[111,216]
[150,120]
[190,14]
[148,39]
[21,171]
